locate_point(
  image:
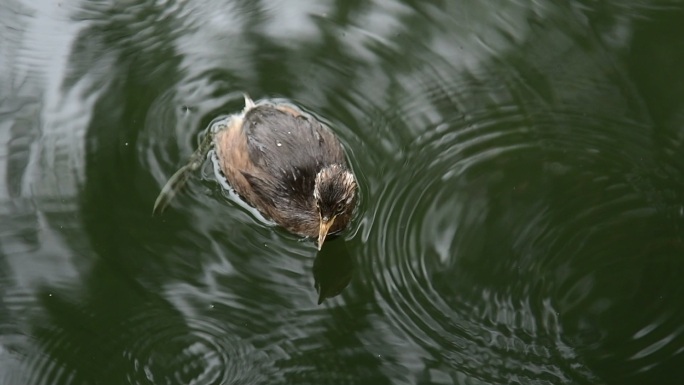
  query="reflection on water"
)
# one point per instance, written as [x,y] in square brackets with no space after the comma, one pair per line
[332,272]
[519,168]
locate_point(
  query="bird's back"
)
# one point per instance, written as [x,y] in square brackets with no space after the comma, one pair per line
[280,140]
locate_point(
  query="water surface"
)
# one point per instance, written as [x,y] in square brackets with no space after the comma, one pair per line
[521,180]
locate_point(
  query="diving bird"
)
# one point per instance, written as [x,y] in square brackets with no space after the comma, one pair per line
[285,163]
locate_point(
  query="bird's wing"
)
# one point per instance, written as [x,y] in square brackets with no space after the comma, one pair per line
[265,191]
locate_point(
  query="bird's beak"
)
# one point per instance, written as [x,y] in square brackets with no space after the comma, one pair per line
[326,224]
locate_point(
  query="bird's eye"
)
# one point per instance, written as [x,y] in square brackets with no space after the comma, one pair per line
[339,208]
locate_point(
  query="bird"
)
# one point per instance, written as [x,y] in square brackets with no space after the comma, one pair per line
[284,162]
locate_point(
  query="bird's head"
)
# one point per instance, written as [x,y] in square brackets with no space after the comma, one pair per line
[335,196]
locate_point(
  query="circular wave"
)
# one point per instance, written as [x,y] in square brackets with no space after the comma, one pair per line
[196,352]
[498,236]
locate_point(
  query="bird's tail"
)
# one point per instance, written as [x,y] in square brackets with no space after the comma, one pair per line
[249,103]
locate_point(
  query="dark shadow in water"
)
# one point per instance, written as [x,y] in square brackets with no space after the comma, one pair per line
[332,270]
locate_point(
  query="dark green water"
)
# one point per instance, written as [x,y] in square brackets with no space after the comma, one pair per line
[522,194]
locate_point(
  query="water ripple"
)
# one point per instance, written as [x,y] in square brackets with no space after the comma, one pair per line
[496,173]
[194,353]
